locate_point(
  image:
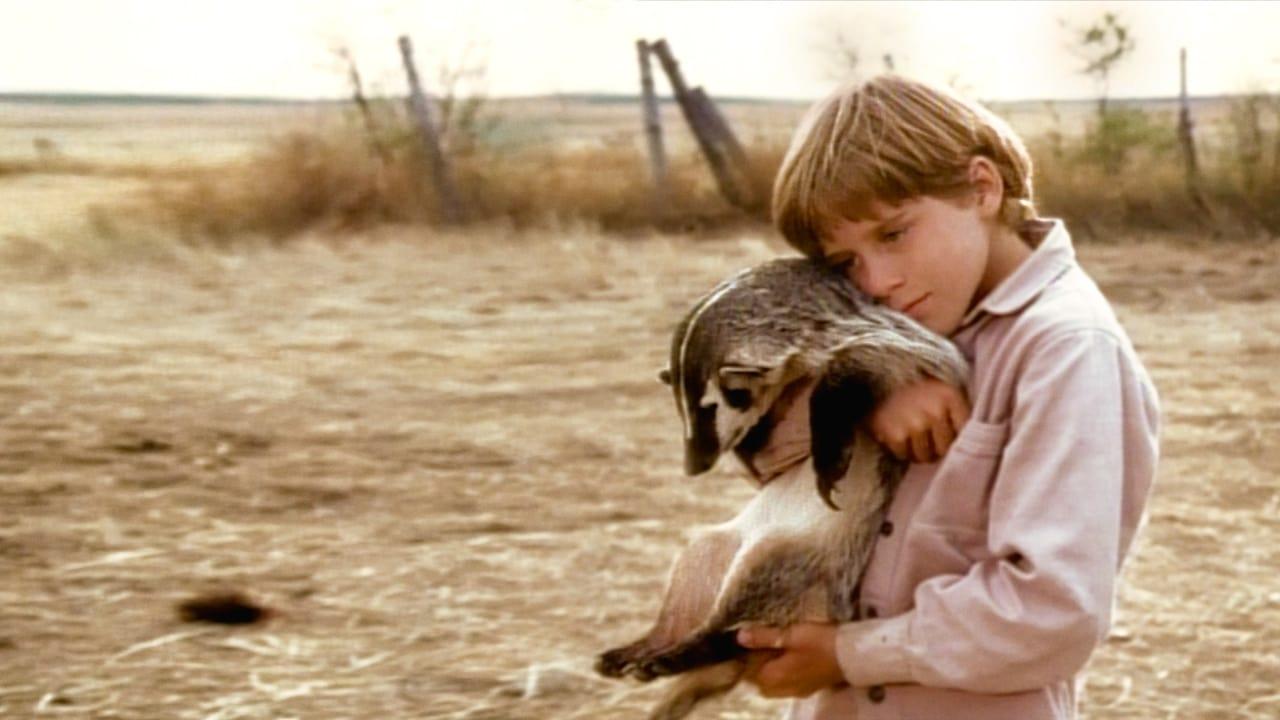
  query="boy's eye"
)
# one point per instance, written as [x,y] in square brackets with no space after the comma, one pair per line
[892,235]
[844,265]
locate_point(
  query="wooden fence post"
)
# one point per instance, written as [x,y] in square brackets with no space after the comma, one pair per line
[715,139]
[653,131]
[712,118]
[447,193]
[371,129]
[1187,138]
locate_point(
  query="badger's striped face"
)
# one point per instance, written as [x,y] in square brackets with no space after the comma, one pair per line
[692,377]
[702,441]
[717,412]
[719,403]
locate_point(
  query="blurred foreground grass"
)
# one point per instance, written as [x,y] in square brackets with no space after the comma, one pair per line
[444,458]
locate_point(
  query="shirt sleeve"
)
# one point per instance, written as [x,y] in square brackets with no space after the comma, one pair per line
[1065,503]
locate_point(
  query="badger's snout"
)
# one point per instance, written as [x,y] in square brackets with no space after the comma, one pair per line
[700,454]
[695,464]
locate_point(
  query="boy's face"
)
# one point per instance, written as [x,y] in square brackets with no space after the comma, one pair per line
[926,257]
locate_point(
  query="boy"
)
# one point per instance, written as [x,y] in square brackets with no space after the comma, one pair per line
[995,573]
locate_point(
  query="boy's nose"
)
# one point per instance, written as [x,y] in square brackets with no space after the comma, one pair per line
[878,280]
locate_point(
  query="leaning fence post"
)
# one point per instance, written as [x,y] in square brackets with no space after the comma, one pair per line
[1187,138]
[653,131]
[712,138]
[442,177]
[713,119]
[719,124]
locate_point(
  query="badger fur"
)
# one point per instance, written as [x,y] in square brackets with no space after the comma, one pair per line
[781,355]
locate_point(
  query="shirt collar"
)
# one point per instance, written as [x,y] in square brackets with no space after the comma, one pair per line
[1052,257]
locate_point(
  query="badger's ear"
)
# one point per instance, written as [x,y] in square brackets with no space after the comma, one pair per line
[665,376]
[840,402]
[754,370]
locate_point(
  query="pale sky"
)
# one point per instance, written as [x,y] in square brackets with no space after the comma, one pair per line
[281,48]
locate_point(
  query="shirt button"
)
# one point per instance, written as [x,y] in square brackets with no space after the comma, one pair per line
[872,613]
[876,694]
[886,528]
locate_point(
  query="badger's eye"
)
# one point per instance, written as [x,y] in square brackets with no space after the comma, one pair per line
[737,398]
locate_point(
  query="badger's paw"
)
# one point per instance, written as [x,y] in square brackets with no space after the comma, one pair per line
[696,652]
[625,661]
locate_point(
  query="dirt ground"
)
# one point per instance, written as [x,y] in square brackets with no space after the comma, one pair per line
[446,463]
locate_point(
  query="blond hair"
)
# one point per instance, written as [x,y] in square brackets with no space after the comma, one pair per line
[891,139]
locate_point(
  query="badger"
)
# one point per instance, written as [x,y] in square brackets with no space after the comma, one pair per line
[780,364]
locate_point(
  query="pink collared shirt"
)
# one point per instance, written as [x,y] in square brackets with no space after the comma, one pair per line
[995,573]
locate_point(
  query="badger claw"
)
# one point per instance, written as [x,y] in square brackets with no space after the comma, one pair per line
[614,663]
[697,652]
[628,660]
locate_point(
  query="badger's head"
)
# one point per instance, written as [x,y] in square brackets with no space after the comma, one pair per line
[785,330]
[725,405]
[729,365]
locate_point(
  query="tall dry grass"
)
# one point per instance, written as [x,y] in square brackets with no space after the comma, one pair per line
[353,177]
[1125,173]
[1128,172]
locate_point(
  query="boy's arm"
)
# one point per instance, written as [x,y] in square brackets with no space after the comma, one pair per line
[1072,483]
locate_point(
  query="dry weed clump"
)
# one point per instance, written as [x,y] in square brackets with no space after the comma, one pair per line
[607,186]
[305,180]
[1151,194]
[1127,172]
[295,182]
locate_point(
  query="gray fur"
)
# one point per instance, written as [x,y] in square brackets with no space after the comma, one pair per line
[791,555]
[784,321]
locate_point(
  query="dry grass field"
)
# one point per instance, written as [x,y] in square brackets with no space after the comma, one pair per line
[444,461]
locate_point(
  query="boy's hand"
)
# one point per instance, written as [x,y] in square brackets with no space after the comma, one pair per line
[797,661]
[918,423]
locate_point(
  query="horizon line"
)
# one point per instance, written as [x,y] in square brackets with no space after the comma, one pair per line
[70,97]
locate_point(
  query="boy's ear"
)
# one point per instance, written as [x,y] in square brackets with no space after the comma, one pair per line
[987,184]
